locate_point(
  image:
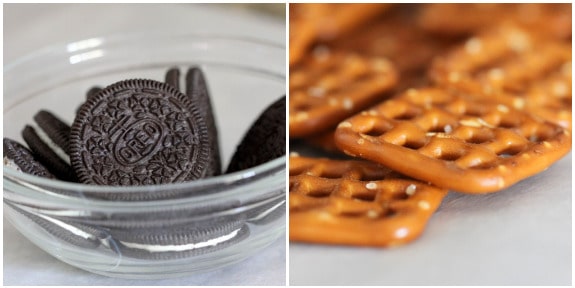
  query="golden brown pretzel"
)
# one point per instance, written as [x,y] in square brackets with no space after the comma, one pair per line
[398,38]
[453,141]
[321,21]
[324,141]
[553,20]
[356,203]
[331,86]
[512,66]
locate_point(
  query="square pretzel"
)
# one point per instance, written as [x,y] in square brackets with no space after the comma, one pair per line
[513,66]
[454,141]
[352,202]
[329,86]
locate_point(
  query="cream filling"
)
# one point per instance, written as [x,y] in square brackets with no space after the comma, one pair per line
[183,247]
[44,137]
[69,228]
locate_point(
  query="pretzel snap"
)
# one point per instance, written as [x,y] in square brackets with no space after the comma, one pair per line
[515,67]
[356,203]
[454,141]
[331,86]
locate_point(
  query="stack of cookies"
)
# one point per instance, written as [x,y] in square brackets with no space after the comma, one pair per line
[406,102]
[146,132]
[142,132]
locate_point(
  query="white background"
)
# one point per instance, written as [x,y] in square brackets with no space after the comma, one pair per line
[29,27]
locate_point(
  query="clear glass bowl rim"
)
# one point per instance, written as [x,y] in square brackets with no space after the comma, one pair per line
[136,36]
[246,176]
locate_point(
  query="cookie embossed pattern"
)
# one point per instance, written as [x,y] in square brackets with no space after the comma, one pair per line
[141,128]
[152,201]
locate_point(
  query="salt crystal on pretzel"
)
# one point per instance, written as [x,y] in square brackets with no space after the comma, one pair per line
[514,67]
[487,148]
[353,202]
[326,90]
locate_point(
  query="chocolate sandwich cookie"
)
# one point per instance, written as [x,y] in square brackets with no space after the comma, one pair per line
[264,141]
[139,132]
[56,129]
[80,235]
[173,77]
[45,155]
[20,158]
[197,90]
[179,241]
[93,91]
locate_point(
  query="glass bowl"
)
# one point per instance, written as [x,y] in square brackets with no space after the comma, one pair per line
[204,224]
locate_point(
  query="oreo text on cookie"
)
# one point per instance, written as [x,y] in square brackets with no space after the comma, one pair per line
[139,132]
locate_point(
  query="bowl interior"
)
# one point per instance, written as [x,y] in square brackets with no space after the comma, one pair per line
[243,76]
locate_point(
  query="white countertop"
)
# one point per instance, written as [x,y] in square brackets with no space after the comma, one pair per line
[28,27]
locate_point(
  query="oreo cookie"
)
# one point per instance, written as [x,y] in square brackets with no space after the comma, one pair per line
[264,141]
[90,93]
[93,91]
[182,241]
[80,235]
[56,129]
[45,155]
[139,132]
[173,77]
[20,158]
[197,90]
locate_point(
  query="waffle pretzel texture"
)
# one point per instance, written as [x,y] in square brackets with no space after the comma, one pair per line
[355,202]
[454,141]
[513,66]
[330,86]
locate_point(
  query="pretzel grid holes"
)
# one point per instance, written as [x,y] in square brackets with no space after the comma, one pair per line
[467,133]
[349,195]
